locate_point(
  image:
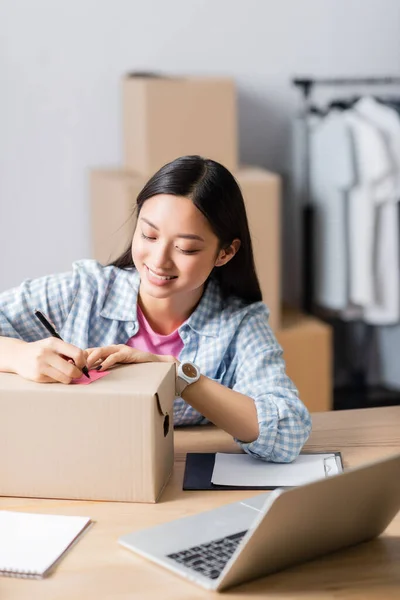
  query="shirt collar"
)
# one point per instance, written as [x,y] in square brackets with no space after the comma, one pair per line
[121,299]
[121,302]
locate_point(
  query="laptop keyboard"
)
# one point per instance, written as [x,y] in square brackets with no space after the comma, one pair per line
[209,559]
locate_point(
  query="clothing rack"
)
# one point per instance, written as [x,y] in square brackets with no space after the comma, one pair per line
[365,331]
[307,85]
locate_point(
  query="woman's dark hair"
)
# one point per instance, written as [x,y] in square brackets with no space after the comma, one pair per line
[216,193]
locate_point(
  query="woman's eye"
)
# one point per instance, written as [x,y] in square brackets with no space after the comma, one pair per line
[147,237]
[187,251]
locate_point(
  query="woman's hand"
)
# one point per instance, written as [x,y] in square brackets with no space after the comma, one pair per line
[50,360]
[107,356]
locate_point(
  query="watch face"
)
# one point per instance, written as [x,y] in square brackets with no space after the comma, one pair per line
[189,370]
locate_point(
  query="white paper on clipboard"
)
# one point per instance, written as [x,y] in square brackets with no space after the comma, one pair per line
[245,471]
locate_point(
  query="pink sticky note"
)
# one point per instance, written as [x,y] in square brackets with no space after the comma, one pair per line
[94,375]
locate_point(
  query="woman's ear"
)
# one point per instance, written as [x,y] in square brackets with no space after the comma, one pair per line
[226,254]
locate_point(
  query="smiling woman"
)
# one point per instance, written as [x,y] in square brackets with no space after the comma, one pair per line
[174,262]
[184,291]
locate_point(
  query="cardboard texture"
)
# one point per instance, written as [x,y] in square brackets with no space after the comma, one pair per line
[262,194]
[165,117]
[307,346]
[113,196]
[112,440]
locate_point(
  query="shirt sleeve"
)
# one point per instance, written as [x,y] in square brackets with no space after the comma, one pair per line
[284,421]
[53,295]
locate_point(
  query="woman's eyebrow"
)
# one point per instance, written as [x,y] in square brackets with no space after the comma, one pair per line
[149,223]
[186,236]
[190,236]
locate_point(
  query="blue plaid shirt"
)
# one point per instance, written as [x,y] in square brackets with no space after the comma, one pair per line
[231,342]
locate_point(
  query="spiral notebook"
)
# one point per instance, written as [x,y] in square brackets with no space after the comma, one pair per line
[31,544]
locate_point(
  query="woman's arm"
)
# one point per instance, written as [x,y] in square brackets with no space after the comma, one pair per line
[262,412]
[257,385]
[10,349]
[284,421]
[25,347]
[44,361]
[232,411]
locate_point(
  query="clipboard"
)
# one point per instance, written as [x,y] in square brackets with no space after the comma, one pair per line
[200,465]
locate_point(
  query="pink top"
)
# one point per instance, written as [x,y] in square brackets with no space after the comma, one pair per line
[149,341]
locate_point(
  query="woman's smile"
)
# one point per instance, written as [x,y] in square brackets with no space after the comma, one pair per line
[157,279]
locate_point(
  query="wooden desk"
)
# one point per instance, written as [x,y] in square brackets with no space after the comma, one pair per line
[98,568]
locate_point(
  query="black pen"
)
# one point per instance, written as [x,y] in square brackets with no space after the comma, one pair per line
[55,334]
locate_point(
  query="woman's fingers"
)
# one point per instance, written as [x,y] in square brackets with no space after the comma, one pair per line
[98,355]
[69,350]
[91,351]
[97,363]
[111,360]
[51,360]
[92,358]
[108,356]
[66,369]
[53,375]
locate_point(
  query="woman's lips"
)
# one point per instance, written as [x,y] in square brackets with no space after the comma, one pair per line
[159,280]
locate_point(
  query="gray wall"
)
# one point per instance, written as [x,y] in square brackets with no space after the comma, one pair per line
[60,67]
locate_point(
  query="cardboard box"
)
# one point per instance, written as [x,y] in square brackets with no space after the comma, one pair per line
[165,117]
[109,440]
[262,194]
[113,196]
[307,345]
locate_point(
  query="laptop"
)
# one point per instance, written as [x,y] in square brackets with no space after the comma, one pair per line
[244,540]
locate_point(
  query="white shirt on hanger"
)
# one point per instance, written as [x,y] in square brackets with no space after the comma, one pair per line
[331,176]
[373,172]
[385,306]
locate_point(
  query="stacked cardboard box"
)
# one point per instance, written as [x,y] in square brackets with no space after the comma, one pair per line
[307,350]
[164,118]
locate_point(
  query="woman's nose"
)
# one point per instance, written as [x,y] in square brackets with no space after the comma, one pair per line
[162,257]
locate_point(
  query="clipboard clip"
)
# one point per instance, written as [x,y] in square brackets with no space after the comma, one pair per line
[330,466]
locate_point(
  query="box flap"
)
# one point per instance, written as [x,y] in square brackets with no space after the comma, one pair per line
[163,396]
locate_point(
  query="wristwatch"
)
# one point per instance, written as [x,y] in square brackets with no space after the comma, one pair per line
[187,373]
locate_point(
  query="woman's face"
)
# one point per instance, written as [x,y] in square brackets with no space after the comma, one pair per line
[173,248]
